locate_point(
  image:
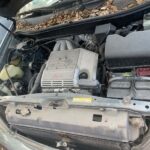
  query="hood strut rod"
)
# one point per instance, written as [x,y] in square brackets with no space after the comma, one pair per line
[3,26]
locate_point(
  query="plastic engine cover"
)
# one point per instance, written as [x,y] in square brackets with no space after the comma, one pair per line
[64,68]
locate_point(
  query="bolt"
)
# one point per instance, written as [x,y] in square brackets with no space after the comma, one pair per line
[25,112]
[127,100]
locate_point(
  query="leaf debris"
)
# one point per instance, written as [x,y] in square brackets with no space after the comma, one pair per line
[75,15]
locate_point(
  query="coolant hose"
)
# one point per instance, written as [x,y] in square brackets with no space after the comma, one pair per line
[38,80]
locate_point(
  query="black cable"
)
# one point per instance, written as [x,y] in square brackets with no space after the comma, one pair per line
[53,38]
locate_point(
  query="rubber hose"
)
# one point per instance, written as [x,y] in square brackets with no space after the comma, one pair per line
[38,80]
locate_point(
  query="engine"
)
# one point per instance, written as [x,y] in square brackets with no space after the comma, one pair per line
[61,66]
[87,64]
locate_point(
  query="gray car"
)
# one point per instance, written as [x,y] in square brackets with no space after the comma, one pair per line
[75,74]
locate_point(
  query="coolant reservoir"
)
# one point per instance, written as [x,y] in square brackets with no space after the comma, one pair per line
[10,71]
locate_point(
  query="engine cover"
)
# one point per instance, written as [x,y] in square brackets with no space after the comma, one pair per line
[64,68]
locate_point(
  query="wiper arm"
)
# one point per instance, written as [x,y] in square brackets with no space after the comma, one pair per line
[50,9]
[62,5]
[38,11]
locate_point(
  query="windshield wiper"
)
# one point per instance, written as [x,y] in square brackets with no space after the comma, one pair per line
[61,4]
[37,11]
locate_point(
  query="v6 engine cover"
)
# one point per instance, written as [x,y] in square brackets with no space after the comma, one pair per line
[64,68]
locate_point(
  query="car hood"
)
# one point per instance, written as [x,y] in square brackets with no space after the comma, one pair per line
[9,8]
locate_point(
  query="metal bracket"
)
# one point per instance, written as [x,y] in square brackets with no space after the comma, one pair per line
[137,106]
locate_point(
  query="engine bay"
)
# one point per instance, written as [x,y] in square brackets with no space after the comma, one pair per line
[110,63]
[62,69]
[110,67]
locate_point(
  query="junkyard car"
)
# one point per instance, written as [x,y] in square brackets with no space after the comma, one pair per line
[75,74]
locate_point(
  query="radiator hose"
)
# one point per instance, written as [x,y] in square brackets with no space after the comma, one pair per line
[38,80]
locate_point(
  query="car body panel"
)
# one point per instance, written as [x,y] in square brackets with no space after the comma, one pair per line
[9,8]
[13,141]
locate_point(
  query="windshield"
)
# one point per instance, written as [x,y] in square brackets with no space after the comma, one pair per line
[38,4]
